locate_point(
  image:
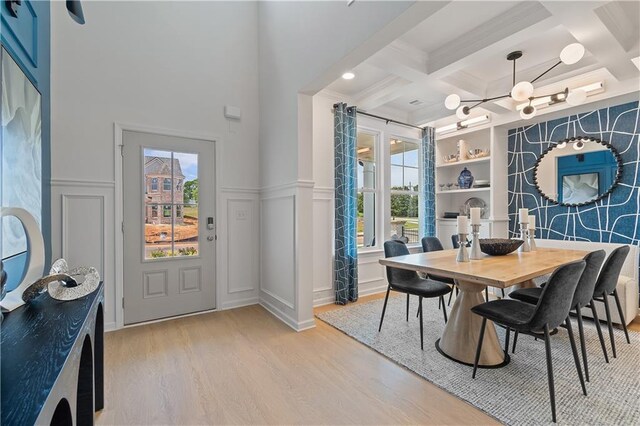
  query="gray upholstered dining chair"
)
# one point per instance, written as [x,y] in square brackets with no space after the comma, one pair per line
[409,282]
[433,244]
[581,298]
[551,311]
[606,285]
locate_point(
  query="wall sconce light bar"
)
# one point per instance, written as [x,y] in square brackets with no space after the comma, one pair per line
[545,101]
[471,122]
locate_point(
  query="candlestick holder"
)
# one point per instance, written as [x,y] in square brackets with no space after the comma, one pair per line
[463,255]
[476,253]
[532,239]
[524,235]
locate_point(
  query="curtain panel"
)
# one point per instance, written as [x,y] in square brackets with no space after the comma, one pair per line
[428,180]
[346,247]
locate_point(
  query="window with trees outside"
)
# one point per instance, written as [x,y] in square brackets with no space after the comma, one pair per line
[404,189]
[366,223]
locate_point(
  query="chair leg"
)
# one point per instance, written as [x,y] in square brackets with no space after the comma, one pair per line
[574,350]
[552,391]
[418,310]
[479,348]
[444,309]
[384,307]
[421,330]
[503,295]
[624,323]
[583,344]
[486,293]
[515,340]
[609,324]
[600,335]
[450,296]
[407,306]
[506,343]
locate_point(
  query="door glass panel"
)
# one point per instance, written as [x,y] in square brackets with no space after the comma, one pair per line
[186,230]
[170,204]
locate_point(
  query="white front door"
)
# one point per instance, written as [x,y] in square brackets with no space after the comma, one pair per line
[169,226]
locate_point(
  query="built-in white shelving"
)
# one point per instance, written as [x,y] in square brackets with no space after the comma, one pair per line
[492,168]
[464,162]
[462,191]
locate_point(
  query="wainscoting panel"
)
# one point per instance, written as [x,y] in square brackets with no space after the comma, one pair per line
[83,232]
[239,248]
[323,245]
[277,264]
[613,219]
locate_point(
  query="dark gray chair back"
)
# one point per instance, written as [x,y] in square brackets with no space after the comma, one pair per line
[431,244]
[610,272]
[557,296]
[587,283]
[393,248]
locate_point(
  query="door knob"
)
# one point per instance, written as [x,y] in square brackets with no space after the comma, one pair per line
[210,238]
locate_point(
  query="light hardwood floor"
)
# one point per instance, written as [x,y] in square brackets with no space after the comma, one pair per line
[245,367]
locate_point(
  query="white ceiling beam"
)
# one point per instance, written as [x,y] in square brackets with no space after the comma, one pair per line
[588,29]
[380,93]
[474,43]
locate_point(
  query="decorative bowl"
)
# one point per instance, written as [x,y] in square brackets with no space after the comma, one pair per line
[477,153]
[499,246]
[451,158]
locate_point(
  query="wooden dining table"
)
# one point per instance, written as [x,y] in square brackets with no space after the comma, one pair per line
[460,336]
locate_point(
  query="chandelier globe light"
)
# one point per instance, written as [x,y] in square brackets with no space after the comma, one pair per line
[524,91]
[528,112]
[576,97]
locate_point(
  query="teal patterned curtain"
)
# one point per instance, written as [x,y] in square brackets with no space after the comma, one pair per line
[428,180]
[346,250]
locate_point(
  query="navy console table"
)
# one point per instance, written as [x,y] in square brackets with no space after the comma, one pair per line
[53,361]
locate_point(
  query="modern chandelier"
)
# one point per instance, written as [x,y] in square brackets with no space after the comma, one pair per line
[523,90]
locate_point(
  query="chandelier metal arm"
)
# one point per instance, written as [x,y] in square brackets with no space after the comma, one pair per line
[538,77]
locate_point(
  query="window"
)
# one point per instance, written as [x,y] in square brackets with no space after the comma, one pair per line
[404,189]
[171,216]
[366,223]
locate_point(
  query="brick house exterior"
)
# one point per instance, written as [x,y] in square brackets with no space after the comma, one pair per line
[158,202]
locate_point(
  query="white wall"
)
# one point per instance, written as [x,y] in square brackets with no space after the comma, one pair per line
[167,65]
[371,275]
[303,47]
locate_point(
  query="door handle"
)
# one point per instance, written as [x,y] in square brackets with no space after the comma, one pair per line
[210,238]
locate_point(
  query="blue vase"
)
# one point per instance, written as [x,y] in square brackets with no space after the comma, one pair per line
[465,180]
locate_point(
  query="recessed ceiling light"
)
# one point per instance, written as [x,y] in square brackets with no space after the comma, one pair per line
[348,75]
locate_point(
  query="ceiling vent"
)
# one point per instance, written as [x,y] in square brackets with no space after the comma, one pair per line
[416,102]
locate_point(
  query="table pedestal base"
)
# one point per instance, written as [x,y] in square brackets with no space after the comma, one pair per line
[460,336]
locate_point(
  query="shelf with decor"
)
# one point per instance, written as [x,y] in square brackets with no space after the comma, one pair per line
[461,191]
[489,171]
[464,162]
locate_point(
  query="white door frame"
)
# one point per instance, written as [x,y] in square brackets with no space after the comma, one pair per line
[119,128]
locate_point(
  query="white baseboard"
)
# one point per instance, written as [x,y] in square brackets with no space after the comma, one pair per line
[297,326]
[232,304]
[328,300]
[110,326]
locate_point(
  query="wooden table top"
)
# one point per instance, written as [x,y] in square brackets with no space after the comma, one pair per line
[495,271]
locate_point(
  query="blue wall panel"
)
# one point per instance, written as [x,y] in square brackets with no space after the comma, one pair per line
[615,218]
[27,39]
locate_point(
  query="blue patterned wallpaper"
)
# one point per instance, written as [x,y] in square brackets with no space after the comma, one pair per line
[615,218]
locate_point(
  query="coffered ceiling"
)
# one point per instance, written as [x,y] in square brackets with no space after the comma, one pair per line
[462,49]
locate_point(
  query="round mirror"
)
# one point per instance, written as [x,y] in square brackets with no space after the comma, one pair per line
[577,171]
